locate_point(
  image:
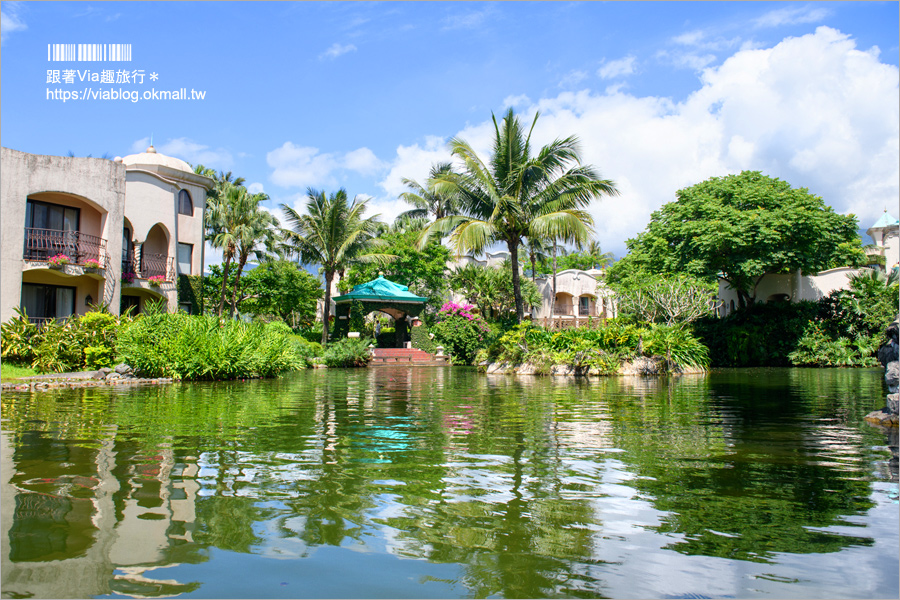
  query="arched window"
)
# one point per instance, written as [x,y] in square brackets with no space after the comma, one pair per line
[185,205]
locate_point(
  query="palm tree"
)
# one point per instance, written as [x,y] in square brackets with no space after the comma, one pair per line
[516,197]
[429,200]
[257,226]
[333,234]
[226,218]
[599,258]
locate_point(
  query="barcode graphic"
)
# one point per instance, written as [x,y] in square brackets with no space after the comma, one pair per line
[89,52]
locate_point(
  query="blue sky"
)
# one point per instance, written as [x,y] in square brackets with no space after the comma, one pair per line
[361,95]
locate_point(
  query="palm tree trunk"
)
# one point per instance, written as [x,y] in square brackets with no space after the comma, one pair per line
[533,267]
[553,295]
[517,288]
[224,282]
[326,308]
[237,281]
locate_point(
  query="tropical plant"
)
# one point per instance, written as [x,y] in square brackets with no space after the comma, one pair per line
[430,200]
[491,289]
[334,234]
[347,352]
[255,236]
[461,332]
[668,299]
[516,196]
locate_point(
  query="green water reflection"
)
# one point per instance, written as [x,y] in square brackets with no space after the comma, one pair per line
[437,482]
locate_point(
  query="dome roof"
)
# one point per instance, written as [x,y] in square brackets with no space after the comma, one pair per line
[152,158]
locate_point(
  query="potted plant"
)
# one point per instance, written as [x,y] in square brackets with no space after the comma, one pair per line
[127,277]
[156,280]
[91,264]
[59,261]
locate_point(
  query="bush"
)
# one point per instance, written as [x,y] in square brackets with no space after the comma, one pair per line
[461,333]
[347,352]
[188,347]
[817,349]
[17,338]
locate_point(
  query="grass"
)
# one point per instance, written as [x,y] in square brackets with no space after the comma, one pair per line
[10,372]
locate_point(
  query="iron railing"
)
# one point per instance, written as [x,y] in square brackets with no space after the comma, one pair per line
[148,265]
[564,310]
[44,244]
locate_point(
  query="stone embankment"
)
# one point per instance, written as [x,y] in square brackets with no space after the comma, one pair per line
[120,375]
[654,365]
[889,357]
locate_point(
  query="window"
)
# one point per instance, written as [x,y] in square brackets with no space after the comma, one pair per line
[50,229]
[185,205]
[185,252]
[133,302]
[584,306]
[43,302]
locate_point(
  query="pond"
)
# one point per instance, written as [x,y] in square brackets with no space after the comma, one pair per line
[443,482]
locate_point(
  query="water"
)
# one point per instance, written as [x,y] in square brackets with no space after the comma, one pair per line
[438,482]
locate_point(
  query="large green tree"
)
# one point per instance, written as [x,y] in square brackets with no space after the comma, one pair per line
[333,234]
[516,196]
[740,227]
[283,289]
[255,236]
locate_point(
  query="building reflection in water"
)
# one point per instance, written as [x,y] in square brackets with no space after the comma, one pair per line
[73,530]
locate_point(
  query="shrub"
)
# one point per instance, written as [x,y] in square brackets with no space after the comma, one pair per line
[817,349]
[17,338]
[421,339]
[203,347]
[677,344]
[347,352]
[460,332]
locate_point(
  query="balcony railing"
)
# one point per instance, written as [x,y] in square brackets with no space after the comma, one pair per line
[43,244]
[563,310]
[149,265]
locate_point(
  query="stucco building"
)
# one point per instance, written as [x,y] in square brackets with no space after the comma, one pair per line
[84,231]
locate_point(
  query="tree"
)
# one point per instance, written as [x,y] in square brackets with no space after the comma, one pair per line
[668,299]
[257,226]
[430,200]
[225,217]
[423,271]
[491,289]
[740,227]
[283,289]
[515,196]
[333,234]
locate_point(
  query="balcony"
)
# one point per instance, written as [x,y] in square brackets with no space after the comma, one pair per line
[42,244]
[149,265]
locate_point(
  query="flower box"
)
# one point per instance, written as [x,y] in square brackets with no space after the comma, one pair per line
[91,264]
[59,261]
[156,280]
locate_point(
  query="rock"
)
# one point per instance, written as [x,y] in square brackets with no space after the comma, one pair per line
[106,370]
[526,369]
[890,351]
[893,403]
[113,377]
[892,376]
[497,368]
[562,370]
[655,365]
[123,369]
[99,374]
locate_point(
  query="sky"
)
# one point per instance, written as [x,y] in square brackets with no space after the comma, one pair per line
[662,95]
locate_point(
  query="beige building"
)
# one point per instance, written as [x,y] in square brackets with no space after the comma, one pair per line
[580,295]
[84,231]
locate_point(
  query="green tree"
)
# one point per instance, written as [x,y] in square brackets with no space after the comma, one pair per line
[430,200]
[225,218]
[740,227]
[516,196]
[255,236]
[283,289]
[491,289]
[423,271]
[333,234]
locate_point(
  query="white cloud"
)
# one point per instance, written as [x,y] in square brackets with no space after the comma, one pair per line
[573,78]
[617,68]
[514,101]
[304,166]
[190,151]
[363,161]
[470,19]
[813,110]
[256,188]
[794,15]
[10,21]
[336,50]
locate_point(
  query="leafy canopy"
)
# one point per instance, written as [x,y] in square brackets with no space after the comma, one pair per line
[741,227]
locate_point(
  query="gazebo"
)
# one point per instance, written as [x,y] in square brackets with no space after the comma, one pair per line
[383,295]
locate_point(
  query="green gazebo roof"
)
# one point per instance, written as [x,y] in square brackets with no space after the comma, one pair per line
[381,290]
